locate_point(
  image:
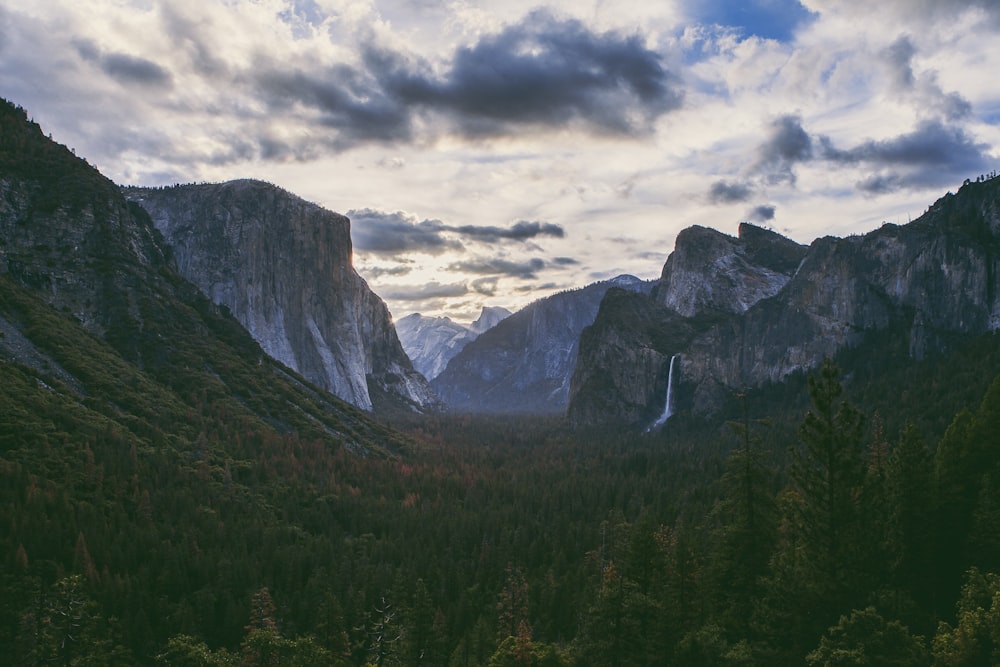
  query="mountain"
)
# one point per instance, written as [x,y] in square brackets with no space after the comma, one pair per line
[100,334]
[431,342]
[746,311]
[524,363]
[282,267]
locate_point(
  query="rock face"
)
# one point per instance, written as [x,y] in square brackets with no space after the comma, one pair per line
[93,309]
[524,363]
[709,270]
[762,307]
[282,266]
[431,342]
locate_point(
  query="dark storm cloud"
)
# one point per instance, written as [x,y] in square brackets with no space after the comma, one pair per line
[541,72]
[787,143]
[724,192]
[123,67]
[498,266]
[932,154]
[520,231]
[431,290]
[761,213]
[348,101]
[394,233]
[545,71]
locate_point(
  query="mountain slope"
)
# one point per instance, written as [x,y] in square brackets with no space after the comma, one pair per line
[93,308]
[524,363]
[282,266]
[932,282]
[431,342]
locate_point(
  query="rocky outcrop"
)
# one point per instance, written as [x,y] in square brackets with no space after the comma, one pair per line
[524,363]
[752,316]
[282,266]
[709,270]
[431,342]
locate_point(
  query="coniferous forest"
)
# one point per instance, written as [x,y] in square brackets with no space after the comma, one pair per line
[807,530]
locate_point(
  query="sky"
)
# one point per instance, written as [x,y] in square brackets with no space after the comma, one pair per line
[490,154]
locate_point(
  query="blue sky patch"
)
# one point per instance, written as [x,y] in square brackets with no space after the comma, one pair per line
[768,19]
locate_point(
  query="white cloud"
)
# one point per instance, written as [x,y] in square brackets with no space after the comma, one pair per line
[377,104]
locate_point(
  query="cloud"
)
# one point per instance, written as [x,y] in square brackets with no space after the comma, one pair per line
[125,68]
[527,270]
[932,154]
[724,192]
[761,213]
[485,286]
[786,144]
[349,101]
[395,233]
[431,290]
[923,89]
[920,12]
[542,72]
[521,231]
[376,272]
[565,261]
[545,71]
[382,233]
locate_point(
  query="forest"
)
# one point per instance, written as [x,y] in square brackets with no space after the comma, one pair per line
[806,530]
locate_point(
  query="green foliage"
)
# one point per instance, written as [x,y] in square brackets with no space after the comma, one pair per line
[975,638]
[865,638]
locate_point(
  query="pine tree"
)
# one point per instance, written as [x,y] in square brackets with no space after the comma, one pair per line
[829,474]
[744,525]
[817,572]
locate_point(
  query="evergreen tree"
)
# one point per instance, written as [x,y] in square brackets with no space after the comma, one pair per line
[910,536]
[744,525]
[975,638]
[818,571]
[865,638]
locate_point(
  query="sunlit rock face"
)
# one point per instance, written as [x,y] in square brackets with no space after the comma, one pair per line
[283,267]
[753,309]
[709,270]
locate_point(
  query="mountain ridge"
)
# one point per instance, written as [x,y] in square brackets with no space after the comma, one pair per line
[524,363]
[934,279]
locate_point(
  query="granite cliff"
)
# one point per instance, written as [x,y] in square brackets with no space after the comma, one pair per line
[282,266]
[524,363]
[761,307]
[94,313]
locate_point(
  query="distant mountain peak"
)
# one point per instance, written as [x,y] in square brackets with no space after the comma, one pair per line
[432,342]
[524,363]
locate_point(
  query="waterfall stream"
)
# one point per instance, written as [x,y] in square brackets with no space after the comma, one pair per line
[668,406]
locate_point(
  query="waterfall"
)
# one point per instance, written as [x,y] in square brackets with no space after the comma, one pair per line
[668,406]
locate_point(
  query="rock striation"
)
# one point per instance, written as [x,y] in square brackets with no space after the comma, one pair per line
[524,363]
[282,266]
[431,342]
[750,310]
